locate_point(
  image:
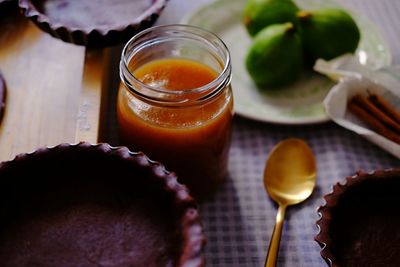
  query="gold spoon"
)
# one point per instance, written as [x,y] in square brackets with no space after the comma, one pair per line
[289,178]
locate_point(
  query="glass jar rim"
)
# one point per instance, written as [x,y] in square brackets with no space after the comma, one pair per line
[223,78]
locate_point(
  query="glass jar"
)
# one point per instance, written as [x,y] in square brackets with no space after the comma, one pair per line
[188,129]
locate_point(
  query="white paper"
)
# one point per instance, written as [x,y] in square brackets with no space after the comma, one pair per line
[353,79]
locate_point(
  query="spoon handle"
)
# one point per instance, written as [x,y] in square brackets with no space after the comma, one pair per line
[273,249]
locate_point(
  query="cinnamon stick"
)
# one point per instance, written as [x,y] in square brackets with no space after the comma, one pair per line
[374,110]
[380,103]
[372,121]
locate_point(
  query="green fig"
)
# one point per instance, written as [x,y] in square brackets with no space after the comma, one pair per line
[276,56]
[261,13]
[328,33]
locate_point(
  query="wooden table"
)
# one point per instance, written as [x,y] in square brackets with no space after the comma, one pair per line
[54,89]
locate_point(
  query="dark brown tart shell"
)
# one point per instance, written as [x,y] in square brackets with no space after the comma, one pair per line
[360,223]
[4,2]
[95,205]
[3,91]
[93,23]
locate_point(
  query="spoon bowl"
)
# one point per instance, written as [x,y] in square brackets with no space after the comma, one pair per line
[289,178]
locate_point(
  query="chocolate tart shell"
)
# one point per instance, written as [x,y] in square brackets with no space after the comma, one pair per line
[95,205]
[359,224]
[102,31]
[3,92]
[6,2]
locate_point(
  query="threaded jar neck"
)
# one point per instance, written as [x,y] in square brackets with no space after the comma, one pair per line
[175,41]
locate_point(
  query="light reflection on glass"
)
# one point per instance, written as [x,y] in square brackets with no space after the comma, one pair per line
[362,56]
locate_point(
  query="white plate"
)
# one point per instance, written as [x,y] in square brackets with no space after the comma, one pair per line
[299,103]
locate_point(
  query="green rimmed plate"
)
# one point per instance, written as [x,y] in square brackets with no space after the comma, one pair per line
[301,102]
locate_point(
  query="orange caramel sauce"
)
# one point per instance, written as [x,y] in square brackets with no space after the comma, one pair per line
[192,141]
[175,74]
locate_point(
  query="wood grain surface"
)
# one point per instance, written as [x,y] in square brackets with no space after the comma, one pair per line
[54,88]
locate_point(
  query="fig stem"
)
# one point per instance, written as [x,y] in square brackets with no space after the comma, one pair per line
[304,15]
[290,28]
